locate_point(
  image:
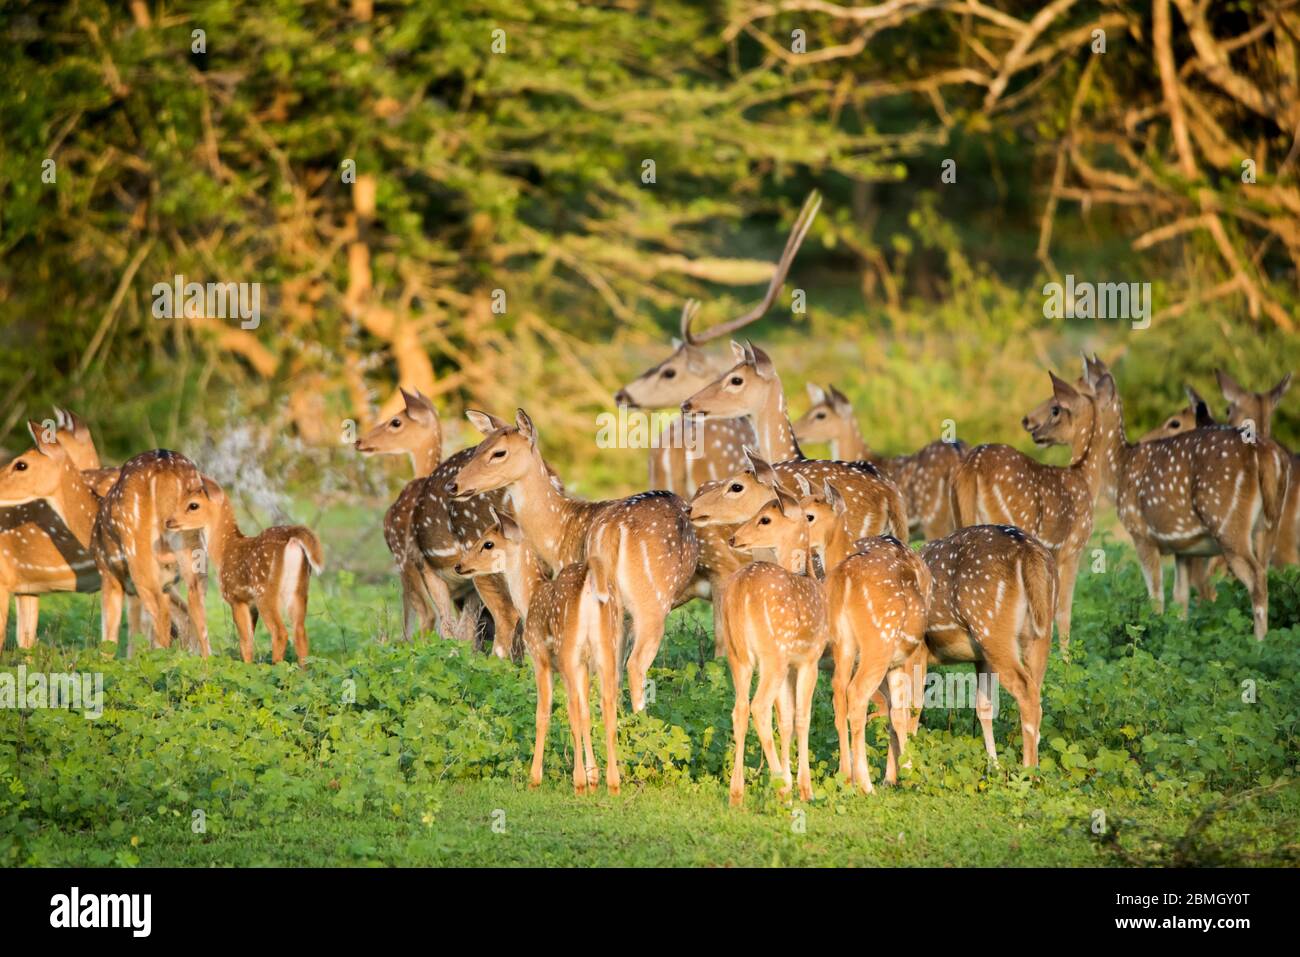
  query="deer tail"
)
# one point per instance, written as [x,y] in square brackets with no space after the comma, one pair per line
[963,492]
[311,547]
[598,612]
[1038,581]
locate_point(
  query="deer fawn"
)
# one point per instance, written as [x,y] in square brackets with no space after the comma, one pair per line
[570,626]
[753,388]
[270,571]
[997,484]
[642,548]
[877,595]
[992,601]
[923,477]
[773,617]
[1254,410]
[415,431]
[135,552]
[1204,492]
[694,450]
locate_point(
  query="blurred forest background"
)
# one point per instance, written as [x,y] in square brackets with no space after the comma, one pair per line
[500,145]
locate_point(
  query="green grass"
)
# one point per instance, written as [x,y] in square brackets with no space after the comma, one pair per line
[1164,742]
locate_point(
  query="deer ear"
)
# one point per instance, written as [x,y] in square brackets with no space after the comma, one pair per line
[762,362]
[763,470]
[840,402]
[1104,387]
[417,406]
[816,394]
[738,351]
[1275,394]
[45,435]
[1229,387]
[486,424]
[805,490]
[788,504]
[509,527]
[834,498]
[1062,390]
[525,426]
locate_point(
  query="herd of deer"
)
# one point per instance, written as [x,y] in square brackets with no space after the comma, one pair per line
[491,527]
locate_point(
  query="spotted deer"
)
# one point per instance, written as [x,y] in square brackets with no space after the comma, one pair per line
[1208,491]
[641,549]
[570,626]
[75,437]
[773,618]
[415,431]
[693,450]
[877,596]
[752,388]
[270,571]
[997,484]
[135,553]
[992,600]
[1254,411]
[923,477]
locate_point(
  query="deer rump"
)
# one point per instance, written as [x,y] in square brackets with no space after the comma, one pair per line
[874,505]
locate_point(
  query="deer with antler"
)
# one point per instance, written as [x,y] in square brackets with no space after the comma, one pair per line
[571,625]
[752,388]
[877,597]
[996,484]
[270,571]
[923,477]
[1213,490]
[415,431]
[642,549]
[694,450]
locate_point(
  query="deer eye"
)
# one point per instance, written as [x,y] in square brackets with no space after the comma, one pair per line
[1056,410]
[20,466]
[736,487]
[1174,423]
[765,521]
[396,424]
[820,415]
[669,373]
[812,518]
[488,546]
[737,380]
[194,506]
[499,453]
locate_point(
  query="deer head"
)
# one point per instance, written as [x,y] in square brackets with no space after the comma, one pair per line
[506,455]
[415,426]
[75,437]
[201,507]
[744,389]
[38,473]
[492,553]
[738,497]
[1061,419]
[1195,415]
[829,418]
[779,525]
[1246,407]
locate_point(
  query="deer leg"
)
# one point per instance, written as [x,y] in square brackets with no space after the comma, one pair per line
[196,586]
[505,618]
[873,662]
[298,614]
[110,602]
[1067,571]
[243,616]
[769,686]
[1149,556]
[270,612]
[415,605]
[584,710]
[984,707]
[900,719]
[28,609]
[4,617]
[915,669]
[648,632]
[786,713]
[1182,584]
[573,703]
[1199,574]
[805,684]
[843,652]
[609,688]
[545,687]
[440,595]
[742,674]
[1254,575]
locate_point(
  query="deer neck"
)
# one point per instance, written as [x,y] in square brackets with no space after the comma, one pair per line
[1088,454]
[523,574]
[839,545]
[542,512]
[1115,444]
[427,456]
[222,534]
[792,554]
[848,444]
[75,502]
[772,425]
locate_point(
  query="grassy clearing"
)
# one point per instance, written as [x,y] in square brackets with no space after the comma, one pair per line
[1164,741]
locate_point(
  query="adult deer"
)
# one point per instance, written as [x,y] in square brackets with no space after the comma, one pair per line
[1254,411]
[270,571]
[992,601]
[997,484]
[695,451]
[570,626]
[135,552]
[923,477]
[773,618]
[75,437]
[752,388]
[877,596]
[641,548]
[414,431]
[1208,491]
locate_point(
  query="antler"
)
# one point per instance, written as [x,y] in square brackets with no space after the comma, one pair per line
[801,226]
[690,309]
